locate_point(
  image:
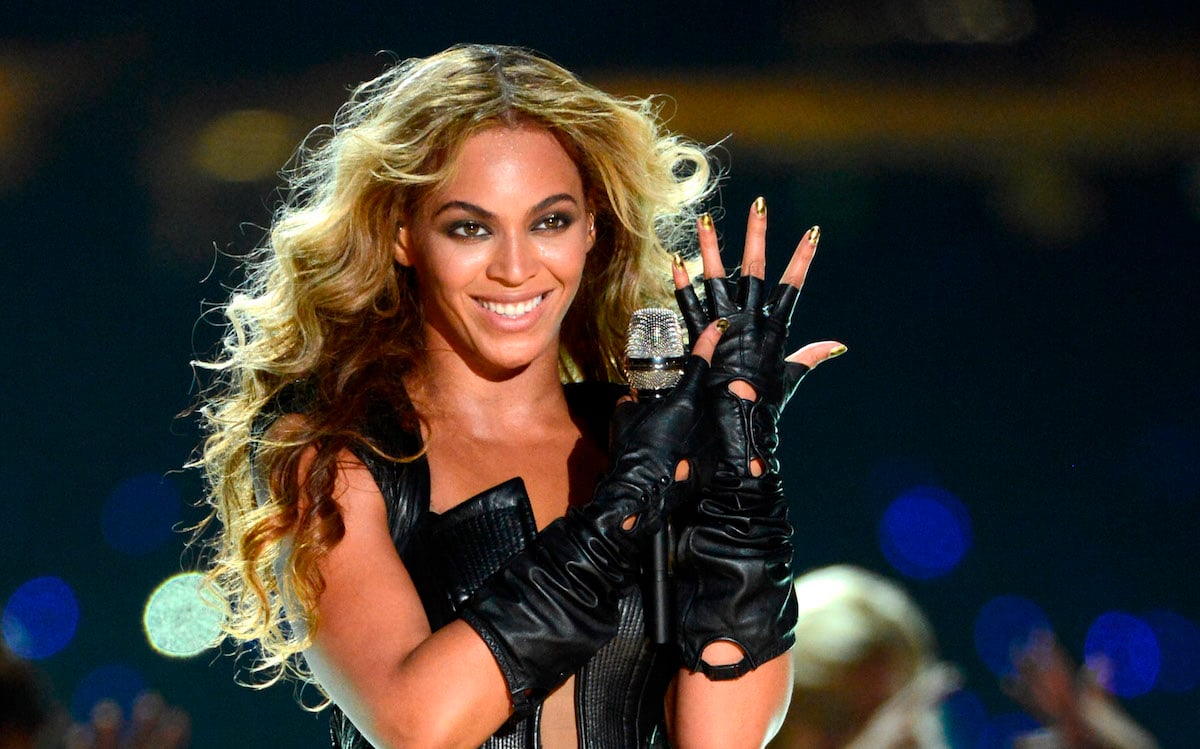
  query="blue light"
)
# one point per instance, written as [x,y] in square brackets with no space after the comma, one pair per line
[925,532]
[115,681]
[140,515]
[40,618]
[1004,624]
[1131,649]
[963,718]
[1179,642]
[1002,729]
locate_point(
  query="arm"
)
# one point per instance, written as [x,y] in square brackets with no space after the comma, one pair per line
[527,628]
[733,566]
[374,653]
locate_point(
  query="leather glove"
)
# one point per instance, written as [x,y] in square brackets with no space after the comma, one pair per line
[732,574]
[752,349]
[555,604]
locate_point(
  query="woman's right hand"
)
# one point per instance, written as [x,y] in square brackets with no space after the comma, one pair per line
[651,446]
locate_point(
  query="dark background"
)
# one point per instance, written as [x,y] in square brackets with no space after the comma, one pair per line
[1009,194]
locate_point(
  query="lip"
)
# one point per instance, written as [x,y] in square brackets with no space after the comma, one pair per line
[513,312]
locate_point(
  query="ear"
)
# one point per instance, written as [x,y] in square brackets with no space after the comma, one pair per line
[591,230]
[401,246]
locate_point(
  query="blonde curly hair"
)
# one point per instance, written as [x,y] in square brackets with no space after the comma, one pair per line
[325,304]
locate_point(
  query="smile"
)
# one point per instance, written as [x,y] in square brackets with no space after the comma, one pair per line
[512,310]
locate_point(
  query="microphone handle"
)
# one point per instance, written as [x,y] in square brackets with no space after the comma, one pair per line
[657,605]
[658,610]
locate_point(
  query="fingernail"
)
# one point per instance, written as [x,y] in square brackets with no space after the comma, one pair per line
[722,324]
[706,222]
[814,235]
[677,261]
[837,351]
[760,206]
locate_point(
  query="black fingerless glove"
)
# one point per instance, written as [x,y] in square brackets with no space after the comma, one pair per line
[733,574]
[555,604]
[733,558]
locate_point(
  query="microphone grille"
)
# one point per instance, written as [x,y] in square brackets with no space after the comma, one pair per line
[654,349]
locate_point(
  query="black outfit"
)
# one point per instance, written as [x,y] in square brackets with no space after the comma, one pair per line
[619,691]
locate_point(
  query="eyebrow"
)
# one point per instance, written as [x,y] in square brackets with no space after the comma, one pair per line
[486,214]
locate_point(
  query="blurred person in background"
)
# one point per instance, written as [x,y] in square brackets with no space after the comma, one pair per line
[31,719]
[866,672]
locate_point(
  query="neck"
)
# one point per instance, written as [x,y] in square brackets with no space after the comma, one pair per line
[447,393]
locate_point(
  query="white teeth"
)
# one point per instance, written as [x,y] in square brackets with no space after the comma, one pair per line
[512,310]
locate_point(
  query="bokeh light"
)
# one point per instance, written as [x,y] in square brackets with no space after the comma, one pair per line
[115,681]
[176,619]
[140,515]
[1179,643]
[245,145]
[925,532]
[40,618]
[1129,647]
[1004,624]
[964,718]
[1002,729]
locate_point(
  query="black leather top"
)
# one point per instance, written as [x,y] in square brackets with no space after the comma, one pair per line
[619,692]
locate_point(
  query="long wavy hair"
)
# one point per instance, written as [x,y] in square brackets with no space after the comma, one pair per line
[325,305]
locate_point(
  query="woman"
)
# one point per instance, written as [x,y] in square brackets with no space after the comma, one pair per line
[414,512]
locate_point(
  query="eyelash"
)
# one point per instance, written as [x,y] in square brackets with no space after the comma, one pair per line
[468,229]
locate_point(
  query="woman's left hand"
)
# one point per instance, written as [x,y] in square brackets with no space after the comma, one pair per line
[750,360]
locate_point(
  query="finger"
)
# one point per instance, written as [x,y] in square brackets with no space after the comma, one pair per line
[749,292]
[816,353]
[106,723]
[147,710]
[797,269]
[710,250]
[706,342]
[679,272]
[780,306]
[692,310]
[754,256]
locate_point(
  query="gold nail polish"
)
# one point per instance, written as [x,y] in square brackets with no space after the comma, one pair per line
[837,351]
[760,206]
[722,324]
[706,222]
[677,261]
[814,235]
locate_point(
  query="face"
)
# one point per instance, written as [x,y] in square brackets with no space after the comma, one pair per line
[499,251]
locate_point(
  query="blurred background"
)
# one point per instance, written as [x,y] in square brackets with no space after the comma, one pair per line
[1009,193]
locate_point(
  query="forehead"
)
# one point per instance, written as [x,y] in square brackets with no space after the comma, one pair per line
[502,159]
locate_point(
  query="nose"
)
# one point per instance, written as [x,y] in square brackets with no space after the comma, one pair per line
[514,261]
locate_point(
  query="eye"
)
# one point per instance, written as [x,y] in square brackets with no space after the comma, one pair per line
[554,222]
[468,230]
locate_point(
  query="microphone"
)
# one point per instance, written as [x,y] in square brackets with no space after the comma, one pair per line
[654,359]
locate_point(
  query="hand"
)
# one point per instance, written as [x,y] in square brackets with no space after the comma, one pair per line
[750,377]
[153,725]
[1076,709]
[910,717]
[650,445]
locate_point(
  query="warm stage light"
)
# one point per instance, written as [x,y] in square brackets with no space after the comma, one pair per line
[245,145]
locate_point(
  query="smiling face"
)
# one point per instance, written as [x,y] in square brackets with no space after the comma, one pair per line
[500,249]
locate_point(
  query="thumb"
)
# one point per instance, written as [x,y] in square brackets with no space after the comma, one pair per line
[815,353]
